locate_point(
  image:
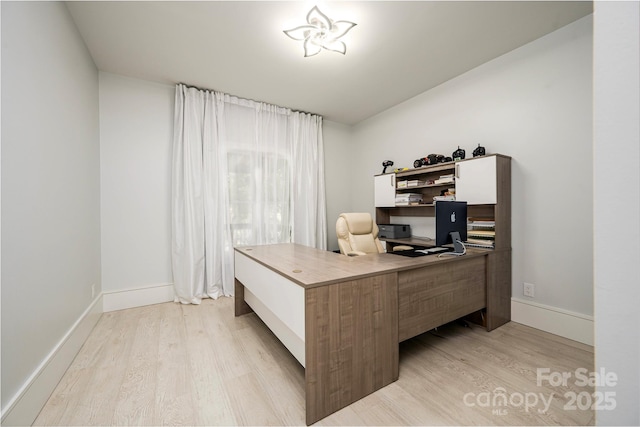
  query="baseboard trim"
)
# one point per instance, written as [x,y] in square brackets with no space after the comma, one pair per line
[25,406]
[138,297]
[568,324]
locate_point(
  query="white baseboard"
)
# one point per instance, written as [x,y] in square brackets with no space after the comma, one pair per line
[138,297]
[568,324]
[24,407]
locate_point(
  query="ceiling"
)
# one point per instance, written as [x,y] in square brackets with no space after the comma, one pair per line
[397,50]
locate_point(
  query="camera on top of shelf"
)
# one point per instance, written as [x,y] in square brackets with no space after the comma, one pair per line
[431,159]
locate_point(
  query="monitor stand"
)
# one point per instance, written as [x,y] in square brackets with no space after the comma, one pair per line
[458,248]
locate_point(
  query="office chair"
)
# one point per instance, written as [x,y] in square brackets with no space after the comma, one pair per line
[358,235]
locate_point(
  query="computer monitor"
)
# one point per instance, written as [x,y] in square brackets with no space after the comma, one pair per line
[450,217]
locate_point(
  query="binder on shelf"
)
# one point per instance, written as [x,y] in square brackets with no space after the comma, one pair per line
[406,199]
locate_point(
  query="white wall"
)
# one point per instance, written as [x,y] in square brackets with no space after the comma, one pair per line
[136,134]
[534,104]
[617,205]
[50,189]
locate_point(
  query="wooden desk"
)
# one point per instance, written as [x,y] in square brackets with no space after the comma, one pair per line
[343,317]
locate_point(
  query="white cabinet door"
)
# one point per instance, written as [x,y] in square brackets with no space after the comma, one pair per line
[385,190]
[476,181]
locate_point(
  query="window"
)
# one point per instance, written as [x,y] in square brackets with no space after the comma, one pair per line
[259,202]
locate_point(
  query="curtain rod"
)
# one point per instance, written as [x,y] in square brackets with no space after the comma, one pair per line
[248,99]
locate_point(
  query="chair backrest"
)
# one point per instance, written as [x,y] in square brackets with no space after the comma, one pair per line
[357,234]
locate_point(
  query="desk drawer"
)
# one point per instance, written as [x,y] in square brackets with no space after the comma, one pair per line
[431,296]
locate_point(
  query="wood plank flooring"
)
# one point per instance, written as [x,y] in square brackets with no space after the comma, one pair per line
[172,364]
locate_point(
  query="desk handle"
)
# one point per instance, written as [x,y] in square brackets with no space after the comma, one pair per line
[457,171]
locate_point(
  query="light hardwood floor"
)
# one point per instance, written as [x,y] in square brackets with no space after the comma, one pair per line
[172,364]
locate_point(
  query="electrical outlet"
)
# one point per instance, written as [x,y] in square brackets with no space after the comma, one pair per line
[529,290]
[93,290]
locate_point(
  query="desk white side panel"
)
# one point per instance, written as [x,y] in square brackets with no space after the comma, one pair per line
[290,340]
[276,300]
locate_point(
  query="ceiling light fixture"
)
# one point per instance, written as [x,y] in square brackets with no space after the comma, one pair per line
[321,33]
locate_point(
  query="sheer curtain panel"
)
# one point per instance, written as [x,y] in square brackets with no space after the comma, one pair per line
[187,208]
[308,193]
[244,173]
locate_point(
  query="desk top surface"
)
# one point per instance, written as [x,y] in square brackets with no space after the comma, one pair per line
[310,267]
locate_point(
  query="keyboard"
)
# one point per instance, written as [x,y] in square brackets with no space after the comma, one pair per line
[423,252]
[435,250]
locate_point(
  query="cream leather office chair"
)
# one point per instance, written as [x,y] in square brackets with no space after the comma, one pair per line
[358,234]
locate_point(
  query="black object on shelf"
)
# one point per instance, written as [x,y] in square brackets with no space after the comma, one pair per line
[479,151]
[386,164]
[458,154]
[431,159]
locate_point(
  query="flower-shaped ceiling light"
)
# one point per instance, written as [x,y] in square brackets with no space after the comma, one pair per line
[321,33]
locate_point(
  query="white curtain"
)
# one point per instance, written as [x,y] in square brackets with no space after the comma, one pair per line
[244,173]
[308,195]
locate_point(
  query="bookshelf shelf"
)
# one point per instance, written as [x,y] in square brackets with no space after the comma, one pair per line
[419,205]
[485,180]
[417,187]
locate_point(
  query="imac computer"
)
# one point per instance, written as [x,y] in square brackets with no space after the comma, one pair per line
[451,227]
[451,217]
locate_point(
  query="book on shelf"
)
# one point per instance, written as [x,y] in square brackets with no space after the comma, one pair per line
[410,203]
[476,224]
[481,233]
[406,199]
[409,183]
[448,197]
[444,180]
[480,244]
[409,196]
[482,218]
[448,194]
